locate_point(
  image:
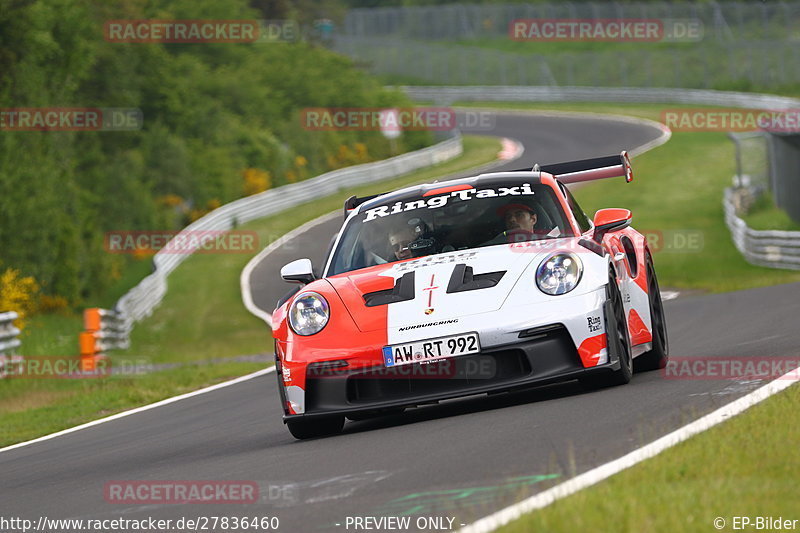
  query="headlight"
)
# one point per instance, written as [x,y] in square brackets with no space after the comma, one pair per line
[559,273]
[309,313]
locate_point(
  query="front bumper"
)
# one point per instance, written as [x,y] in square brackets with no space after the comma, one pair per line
[539,356]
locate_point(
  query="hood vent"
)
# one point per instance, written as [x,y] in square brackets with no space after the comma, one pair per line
[402,291]
[463,279]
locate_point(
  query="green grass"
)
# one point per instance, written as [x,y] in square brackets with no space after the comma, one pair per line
[710,64]
[677,193]
[133,272]
[56,334]
[51,334]
[764,215]
[202,317]
[733,469]
[648,111]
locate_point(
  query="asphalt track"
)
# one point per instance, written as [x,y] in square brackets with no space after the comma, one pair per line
[460,459]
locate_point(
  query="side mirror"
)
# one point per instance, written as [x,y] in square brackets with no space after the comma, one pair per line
[299,271]
[609,220]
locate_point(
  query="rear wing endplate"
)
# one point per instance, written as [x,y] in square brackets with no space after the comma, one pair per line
[613,166]
[354,201]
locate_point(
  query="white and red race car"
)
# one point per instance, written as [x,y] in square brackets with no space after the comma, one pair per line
[476,285]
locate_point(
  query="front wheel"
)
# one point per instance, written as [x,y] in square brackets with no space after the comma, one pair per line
[619,337]
[302,428]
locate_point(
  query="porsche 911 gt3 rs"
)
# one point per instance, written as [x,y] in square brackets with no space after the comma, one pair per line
[477,285]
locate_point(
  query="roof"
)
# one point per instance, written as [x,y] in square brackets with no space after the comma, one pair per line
[417,191]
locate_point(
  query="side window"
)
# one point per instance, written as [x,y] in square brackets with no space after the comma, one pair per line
[580,216]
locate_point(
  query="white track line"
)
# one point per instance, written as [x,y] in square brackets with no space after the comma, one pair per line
[140,409]
[587,479]
[244,277]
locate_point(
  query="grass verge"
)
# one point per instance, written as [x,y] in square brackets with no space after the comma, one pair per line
[729,470]
[706,64]
[202,317]
[764,215]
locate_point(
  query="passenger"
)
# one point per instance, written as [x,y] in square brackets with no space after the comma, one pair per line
[399,240]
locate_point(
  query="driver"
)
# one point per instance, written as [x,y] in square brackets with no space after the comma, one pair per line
[520,221]
[519,217]
[399,239]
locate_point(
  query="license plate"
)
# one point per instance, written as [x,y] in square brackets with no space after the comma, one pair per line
[431,349]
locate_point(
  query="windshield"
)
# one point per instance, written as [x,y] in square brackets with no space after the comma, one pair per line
[415,226]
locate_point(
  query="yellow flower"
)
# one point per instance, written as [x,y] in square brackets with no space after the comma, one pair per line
[256,181]
[145,252]
[195,214]
[18,293]
[170,200]
[51,304]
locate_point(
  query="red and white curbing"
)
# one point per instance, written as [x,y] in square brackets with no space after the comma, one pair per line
[511,149]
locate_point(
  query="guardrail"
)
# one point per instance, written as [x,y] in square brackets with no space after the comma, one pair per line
[770,248]
[140,301]
[9,343]
[104,330]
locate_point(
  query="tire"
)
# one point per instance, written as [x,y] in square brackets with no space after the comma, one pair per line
[659,355]
[620,337]
[315,427]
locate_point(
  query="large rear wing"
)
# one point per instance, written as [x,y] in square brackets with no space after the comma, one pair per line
[613,166]
[354,201]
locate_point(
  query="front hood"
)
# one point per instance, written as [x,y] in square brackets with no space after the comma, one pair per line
[429,300]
